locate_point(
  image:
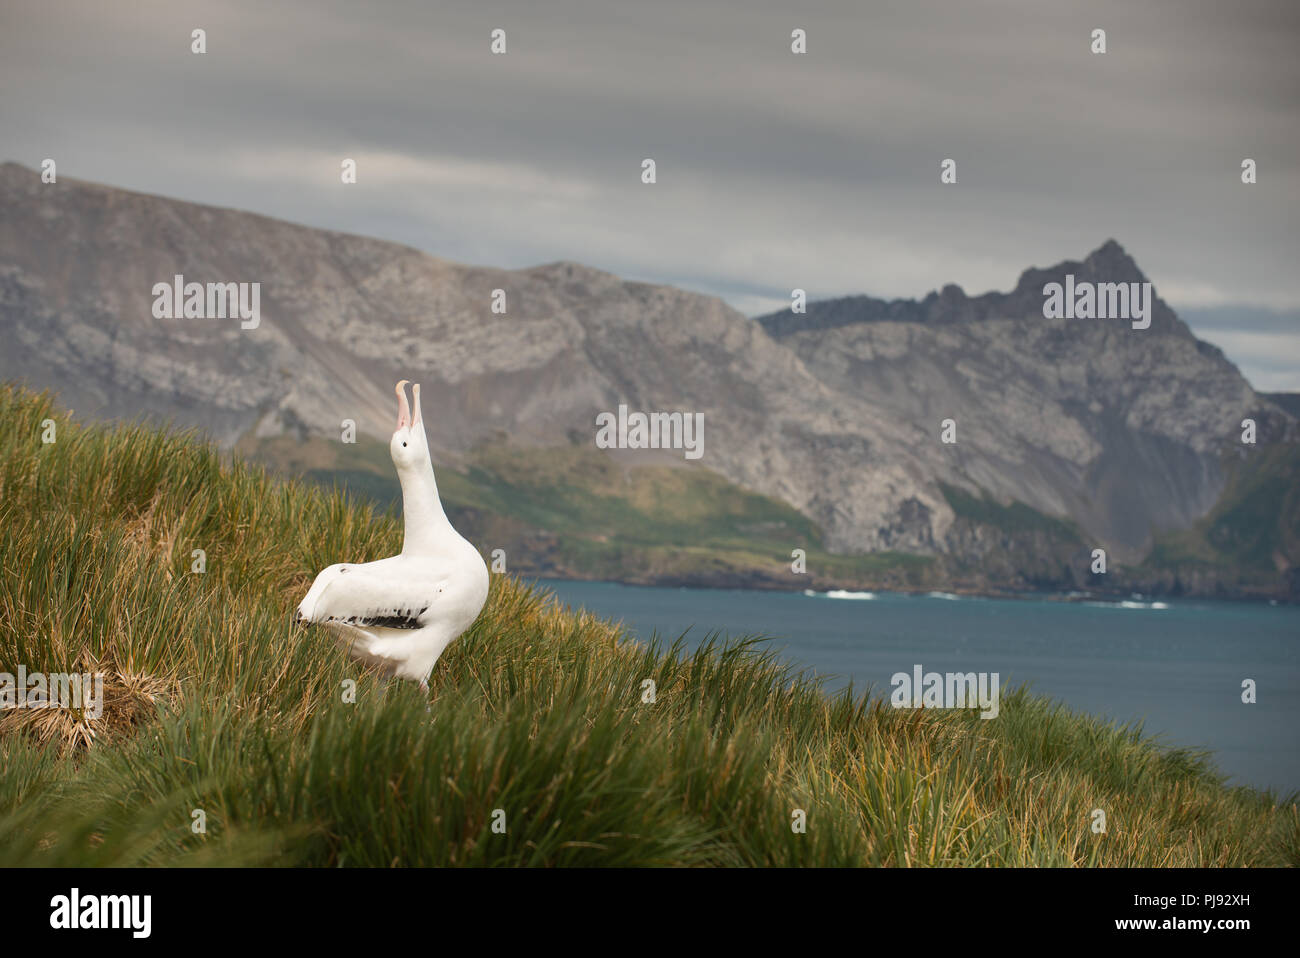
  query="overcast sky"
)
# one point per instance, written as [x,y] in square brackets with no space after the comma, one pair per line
[775,171]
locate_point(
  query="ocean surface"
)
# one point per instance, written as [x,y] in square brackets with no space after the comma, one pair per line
[1178,666]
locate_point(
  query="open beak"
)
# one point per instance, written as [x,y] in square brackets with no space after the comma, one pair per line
[418,420]
[403,407]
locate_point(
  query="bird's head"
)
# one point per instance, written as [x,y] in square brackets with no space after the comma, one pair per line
[408,447]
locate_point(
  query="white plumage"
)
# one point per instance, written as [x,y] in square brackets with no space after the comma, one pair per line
[400,613]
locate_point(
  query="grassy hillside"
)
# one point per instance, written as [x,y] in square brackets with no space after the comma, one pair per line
[219,704]
[576,512]
[1250,539]
[1013,519]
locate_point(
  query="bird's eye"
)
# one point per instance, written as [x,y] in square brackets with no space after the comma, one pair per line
[403,444]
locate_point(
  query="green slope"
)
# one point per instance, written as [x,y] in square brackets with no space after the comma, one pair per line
[1250,541]
[574,511]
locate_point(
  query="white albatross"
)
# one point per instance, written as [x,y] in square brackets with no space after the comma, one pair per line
[401,613]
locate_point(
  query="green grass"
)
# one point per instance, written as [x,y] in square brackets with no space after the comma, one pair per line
[576,512]
[1014,518]
[220,703]
[604,519]
[1254,528]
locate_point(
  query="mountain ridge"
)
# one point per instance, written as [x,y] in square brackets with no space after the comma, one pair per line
[1122,432]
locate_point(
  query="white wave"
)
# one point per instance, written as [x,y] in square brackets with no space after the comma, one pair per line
[943,595]
[1127,604]
[845,594]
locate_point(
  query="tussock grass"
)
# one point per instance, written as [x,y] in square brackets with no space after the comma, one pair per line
[223,705]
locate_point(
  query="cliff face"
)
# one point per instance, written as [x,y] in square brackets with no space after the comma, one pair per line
[837,412]
[1120,429]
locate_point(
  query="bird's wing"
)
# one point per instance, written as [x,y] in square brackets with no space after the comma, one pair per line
[391,593]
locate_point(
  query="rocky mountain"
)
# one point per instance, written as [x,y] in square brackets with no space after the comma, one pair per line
[1090,425]
[1120,429]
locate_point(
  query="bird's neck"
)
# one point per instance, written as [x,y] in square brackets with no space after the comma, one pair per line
[426,526]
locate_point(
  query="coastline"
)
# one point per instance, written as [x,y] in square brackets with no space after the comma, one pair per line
[822,585]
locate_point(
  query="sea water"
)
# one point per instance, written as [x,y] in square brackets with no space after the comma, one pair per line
[1177,666]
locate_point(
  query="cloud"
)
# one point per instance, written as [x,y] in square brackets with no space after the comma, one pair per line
[1239,318]
[1264,343]
[1270,361]
[819,171]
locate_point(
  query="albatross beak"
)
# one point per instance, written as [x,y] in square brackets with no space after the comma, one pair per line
[403,408]
[418,420]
